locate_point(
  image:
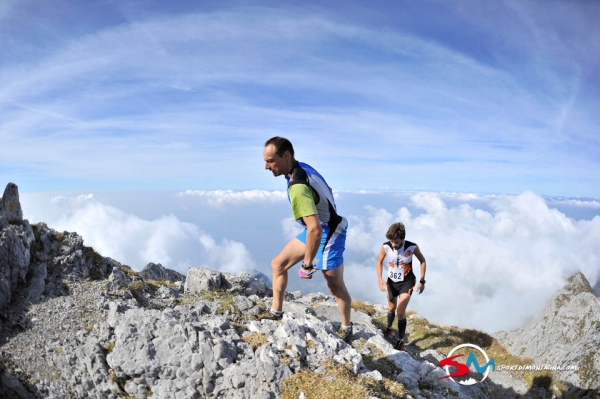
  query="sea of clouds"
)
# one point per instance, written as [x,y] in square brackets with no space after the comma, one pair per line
[492,261]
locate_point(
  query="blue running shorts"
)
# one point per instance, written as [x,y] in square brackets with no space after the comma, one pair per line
[331,255]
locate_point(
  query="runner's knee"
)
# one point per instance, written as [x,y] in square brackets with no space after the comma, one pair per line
[338,290]
[277,266]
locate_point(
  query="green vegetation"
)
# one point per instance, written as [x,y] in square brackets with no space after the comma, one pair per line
[255,340]
[109,347]
[130,272]
[226,304]
[137,289]
[58,236]
[339,381]
[361,306]
[375,359]
[97,263]
[443,339]
[187,299]
[156,284]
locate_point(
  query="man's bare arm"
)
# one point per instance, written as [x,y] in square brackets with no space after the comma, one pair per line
[313,237]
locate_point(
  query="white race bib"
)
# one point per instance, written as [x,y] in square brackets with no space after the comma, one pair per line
[396,274]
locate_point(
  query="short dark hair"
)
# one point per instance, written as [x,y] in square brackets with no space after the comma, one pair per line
[281,145]
[396,232]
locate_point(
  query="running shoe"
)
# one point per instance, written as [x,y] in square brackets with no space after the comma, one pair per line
[270,316]
[388,333]
[306,273]
[345,334]
[399,345]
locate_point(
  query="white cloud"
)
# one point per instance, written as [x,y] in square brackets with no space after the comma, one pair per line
[69,202]
[493,262]
[592,204]
[487,270]
[167,240]
[291,228]
[219,198]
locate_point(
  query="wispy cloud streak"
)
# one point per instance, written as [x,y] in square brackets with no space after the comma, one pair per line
[162,101]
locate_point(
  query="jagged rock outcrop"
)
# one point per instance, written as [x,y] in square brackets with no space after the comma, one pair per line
[566,333]
[10,206]
[156,271]
[16,237]
[201,279]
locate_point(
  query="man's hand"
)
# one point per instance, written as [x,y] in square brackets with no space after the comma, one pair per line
[382,285]
[420,288]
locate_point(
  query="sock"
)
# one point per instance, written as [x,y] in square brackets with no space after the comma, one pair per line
[275,312]
[347,328]
[391,317]
[401,328]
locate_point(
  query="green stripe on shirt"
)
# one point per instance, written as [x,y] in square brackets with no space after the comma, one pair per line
[302,200]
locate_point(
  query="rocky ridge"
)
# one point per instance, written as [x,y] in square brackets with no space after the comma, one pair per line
[566,333]
[75,324]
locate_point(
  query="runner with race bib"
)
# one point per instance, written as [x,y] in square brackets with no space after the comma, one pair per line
[397,254]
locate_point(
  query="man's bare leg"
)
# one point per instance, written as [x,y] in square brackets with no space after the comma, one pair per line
[292,253]
[337,287]
[402,305]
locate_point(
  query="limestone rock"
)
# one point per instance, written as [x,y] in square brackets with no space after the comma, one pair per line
[15,255]
[10,206]
[156,271]
[565,334]
[201,279]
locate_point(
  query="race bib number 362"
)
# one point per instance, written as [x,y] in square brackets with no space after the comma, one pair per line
[396,275]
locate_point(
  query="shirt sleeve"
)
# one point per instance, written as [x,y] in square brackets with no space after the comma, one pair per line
[302,200]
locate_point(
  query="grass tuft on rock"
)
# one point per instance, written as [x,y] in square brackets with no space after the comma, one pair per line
[339,381]
[443,339]
[361,306]
[255,340]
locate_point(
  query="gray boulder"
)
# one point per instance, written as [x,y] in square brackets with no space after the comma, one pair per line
[10,206]
[156,271]
[201,279]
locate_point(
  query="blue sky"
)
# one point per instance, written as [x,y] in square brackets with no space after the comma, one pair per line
[464,96]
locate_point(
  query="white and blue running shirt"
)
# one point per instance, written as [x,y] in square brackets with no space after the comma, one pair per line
[326,210]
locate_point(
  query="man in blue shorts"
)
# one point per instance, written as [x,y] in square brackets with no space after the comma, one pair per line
[320,245]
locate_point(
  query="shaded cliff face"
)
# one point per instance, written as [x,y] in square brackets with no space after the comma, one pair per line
[16,237]
[10,206]
[565,333]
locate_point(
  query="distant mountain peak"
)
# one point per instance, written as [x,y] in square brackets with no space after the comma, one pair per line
[565,333]
[578,284]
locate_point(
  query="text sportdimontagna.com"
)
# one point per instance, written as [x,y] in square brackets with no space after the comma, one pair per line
[544,367]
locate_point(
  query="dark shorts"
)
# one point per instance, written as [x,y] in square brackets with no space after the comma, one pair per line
[403,287]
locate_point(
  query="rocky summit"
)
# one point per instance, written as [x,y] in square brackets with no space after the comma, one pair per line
[75,324]
[566,334]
